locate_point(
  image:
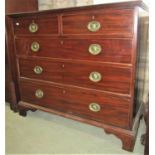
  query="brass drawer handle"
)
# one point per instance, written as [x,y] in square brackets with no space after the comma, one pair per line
[33,27]
[95,76]
[35,46]
[39,94]
[95,107]
[94,26]
[95,49]
[38,69]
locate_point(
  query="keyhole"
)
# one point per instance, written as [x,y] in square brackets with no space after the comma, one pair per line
[64,91]
[17,24]
[93,17]
[61,42]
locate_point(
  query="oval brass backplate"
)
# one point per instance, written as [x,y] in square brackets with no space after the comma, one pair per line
[33,27]
[95,76]
[38,69]
[39,93]
[94,26]
[35,46]
[95,49]
[95,107]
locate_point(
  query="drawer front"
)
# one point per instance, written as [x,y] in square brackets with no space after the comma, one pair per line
[112,109]
[107,50]
[36,25]
[108,22]
[42,70]
[90,75]
[98,76]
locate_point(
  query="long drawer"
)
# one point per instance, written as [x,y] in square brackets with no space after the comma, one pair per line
[106,77]
[98,106]
[104,22]
[106,50]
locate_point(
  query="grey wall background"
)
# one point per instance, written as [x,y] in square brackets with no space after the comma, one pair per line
[53,4]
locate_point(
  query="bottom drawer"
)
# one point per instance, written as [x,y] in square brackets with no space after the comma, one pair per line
[85,103]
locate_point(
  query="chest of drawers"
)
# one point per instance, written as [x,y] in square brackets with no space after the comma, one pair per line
[79,63]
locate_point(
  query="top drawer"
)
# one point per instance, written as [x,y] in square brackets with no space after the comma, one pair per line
[107,22]
[36,25]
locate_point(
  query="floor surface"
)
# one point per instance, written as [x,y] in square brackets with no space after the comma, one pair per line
[44,133]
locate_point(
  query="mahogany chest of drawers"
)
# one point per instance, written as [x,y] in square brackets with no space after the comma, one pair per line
[79,63]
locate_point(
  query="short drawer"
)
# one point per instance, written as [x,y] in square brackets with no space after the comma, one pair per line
[106,50]
[98,106]
[107,22]
[90,75]
[36,25]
